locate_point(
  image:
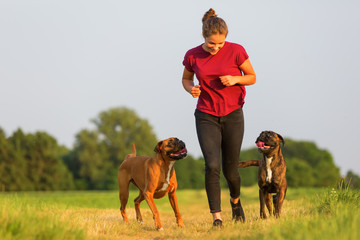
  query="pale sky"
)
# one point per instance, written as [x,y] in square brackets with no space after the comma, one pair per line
[63,62]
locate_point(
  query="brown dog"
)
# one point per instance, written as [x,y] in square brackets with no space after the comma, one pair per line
[153,176]
[272,171]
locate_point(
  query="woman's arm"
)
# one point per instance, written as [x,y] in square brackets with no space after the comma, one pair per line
[249,77]
[188,84]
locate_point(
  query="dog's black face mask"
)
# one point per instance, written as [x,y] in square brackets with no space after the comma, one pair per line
[178,149]
[268,140]
[173,148]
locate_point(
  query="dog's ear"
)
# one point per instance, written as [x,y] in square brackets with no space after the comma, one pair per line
[158,146]
[281,138]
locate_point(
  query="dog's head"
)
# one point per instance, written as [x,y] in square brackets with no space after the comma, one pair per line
[173,148]
[268,141]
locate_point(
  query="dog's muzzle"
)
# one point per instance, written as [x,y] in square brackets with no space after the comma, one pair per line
[261,144]
[179,151]
[266,141]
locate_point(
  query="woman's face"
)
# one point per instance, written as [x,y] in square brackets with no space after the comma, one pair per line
[214,43]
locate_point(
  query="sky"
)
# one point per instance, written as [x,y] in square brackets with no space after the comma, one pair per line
[64,62]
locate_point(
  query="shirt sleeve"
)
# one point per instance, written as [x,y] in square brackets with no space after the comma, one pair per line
[241,55]
[188,61]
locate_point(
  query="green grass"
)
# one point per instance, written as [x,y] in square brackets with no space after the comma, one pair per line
[23,218]
[307,214]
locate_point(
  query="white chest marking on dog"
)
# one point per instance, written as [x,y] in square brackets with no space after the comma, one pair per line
[268,169]
[166,185]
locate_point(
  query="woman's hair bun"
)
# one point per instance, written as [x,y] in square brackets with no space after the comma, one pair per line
[212,24]
[209,14]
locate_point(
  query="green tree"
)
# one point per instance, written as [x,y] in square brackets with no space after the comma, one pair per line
[32,162]
[120,128]
[12,167]
[89,161]
[44,156]
[98,153]
[299,173]
[17,163]
[190,173]
[353,179]
[324,171]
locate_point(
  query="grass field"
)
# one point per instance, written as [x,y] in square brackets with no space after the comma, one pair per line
[307,214]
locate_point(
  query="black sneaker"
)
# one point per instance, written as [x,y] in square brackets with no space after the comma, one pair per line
[217,223]
[237,211]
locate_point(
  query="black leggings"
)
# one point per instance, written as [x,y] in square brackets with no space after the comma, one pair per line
[220,136]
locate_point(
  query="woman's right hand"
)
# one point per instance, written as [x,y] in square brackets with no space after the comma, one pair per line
[195,91]
[188,84]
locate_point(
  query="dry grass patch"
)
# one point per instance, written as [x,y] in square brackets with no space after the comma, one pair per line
[96,215]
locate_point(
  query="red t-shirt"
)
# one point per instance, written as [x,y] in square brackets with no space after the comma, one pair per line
[215,98]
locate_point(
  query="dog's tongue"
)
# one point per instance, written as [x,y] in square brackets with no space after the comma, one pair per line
[182,151]
[260,144]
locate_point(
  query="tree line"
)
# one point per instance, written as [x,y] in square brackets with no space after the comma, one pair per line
[36,162]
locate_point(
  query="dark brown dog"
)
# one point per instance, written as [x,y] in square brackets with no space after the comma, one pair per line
[272,171]
[153,176]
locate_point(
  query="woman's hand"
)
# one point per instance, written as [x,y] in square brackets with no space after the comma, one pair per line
[188,84]
[195,91]
[249,77]
[228,80]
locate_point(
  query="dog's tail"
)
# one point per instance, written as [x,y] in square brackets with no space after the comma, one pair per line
[244,164]
[133,153]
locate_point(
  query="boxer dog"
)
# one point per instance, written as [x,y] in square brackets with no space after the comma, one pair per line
[153,176]
[271,173]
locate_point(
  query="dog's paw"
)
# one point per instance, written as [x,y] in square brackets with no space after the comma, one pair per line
[181,224]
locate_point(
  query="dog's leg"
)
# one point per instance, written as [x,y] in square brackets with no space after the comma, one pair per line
[268,202]
[123,181]
[262,204]
[174,205]
[137,202]
[124,196]
[149,197]
[275,202]
[279,201]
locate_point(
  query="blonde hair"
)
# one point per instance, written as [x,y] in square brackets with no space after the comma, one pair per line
[212,24]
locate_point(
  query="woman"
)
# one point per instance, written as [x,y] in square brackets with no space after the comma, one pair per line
[222,69]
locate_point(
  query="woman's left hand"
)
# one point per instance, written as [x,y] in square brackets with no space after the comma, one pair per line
[248,78]
[228,80]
